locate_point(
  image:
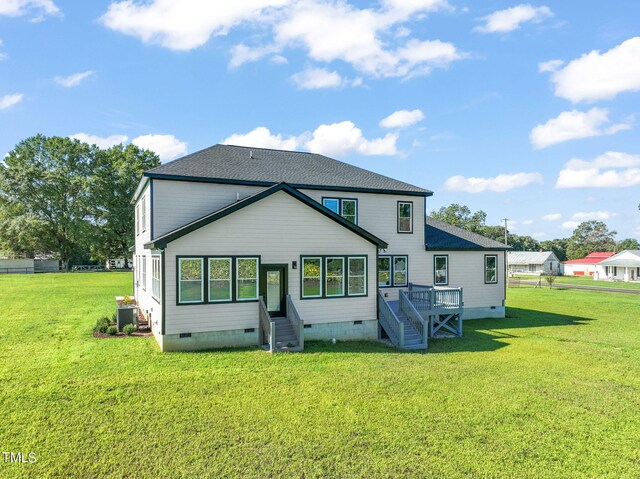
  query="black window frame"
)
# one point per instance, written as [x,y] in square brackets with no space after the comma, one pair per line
[345,276]
[487,256]
[435,281]
[392,270]
[398,217]
[205,279]
[340,199]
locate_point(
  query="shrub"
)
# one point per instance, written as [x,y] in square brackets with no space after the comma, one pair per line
[128,329]
[127,300]
[114,318]
[102,325]
[112,330]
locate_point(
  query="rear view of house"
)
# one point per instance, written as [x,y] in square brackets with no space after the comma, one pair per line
[241,246]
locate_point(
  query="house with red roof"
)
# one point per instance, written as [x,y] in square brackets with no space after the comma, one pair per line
[588,266]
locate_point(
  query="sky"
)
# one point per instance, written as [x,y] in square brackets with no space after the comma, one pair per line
[527,111]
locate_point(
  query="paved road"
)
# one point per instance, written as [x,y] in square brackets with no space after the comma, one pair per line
[579,286]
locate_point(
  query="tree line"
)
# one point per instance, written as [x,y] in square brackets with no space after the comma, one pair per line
[68,199]
[588,237]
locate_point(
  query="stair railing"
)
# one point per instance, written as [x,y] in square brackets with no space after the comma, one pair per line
[296,322]
[414,316]
[390,322]
[267,329]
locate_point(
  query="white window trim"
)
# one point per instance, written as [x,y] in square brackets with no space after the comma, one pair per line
[188,258]
[326,276]
[156,277]
[144,214]
[230,298]
[390,271]
[144,272]
[319,258]
[446,269]
[363,276]
[400,203]
[406,270]
[257,278]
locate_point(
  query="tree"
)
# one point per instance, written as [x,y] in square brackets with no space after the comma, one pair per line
[114,182]
[44,193]
[558,246]
[518,243]
[461,216]
[628,243]
[589,237]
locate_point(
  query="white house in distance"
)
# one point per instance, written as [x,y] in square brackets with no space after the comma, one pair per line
[241,246]
[534,262]
[623,266]
[587,266]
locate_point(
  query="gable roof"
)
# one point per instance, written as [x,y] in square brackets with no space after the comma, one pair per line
[629,258]
[592,258]
[265,167]
[162,241]
[441,236]
[530,257]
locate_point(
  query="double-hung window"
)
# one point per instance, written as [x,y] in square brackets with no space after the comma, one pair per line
[219,279]
[441,269]
[155,277]
[312,277]
[190,280]
[144,214]
[345,207]
[357,276]
[246,279]
[334,284]
[137,220]
[393,270]
[490,269]
[405,217]
[144,272]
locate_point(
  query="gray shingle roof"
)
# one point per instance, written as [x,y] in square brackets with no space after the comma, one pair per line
[266,167]
[530,257]
[632,261]
[442,236]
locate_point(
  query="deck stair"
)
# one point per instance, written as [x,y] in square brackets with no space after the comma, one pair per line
[280,334]
[403,331]
[285,336]
[412,338]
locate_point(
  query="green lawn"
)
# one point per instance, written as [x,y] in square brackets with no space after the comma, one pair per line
[551,391]
[583,281]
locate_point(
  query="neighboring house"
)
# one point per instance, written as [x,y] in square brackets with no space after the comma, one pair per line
[623,266]
[533,262]
[587,266]
[239,246]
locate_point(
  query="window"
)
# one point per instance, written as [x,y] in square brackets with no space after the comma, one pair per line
[393,271]
[246,279]
[357,276]
[345,207]
[441,269]
[311,277]
[144,214]
[144,272]
[137,220]
[219,279]
[399,270]
[155,278]
[405,217]
[190,284]
[490,269]
[384,271]
[334,283]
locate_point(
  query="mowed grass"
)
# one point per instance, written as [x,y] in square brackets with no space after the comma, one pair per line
[583,281]
[551,391]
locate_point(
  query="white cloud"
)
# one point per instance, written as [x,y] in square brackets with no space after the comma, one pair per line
[327,31]
[261,137]
[167,147]
[336,139]
[402,118]
[527,222]
[572,125]
[509,19]
[99,141]
[73,80]
[10,100]
[570,225]
[552,217]
[316,78]
[17,8]
[339,139]
[595,76]
[593,215]
[499,184]
[610,170]
[550,66]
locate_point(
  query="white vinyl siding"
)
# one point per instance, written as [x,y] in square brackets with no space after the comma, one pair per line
[143,211]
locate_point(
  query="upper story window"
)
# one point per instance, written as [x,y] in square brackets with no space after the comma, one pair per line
[441,269]
[137,220]
[144,214]
[405,217]
[345,207]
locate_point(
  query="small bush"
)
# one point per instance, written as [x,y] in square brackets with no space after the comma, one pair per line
[127,300]
[113,318]
[102,325]
[128,329]
[112,330]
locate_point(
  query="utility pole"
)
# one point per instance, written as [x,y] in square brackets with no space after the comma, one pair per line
[506,242]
